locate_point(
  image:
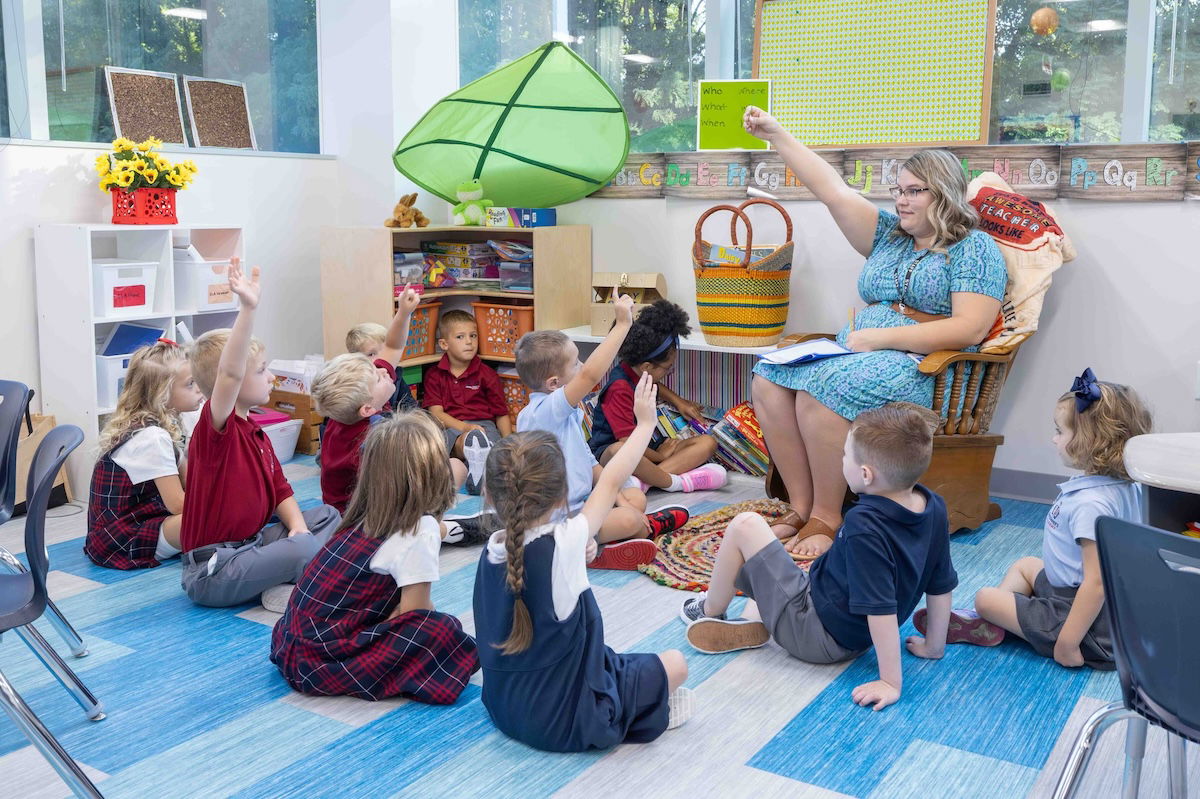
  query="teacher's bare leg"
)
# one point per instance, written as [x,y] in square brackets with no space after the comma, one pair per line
[824,433]
[775,407]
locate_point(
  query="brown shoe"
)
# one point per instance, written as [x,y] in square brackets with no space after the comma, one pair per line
[813,526]
[714,636]
[789,519]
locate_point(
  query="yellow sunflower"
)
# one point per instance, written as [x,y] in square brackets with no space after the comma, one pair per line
[149,144]
[150,175]
[125,179]
[123,145]
[175,180]
[103,165]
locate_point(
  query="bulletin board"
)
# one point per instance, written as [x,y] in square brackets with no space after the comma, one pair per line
[878,72]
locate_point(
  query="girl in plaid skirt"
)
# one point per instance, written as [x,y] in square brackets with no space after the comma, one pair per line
[137,485]
[360,621]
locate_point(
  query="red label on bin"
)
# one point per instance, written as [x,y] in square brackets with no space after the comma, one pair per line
[129,296]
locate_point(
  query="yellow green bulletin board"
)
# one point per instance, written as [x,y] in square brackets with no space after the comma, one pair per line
[877,72]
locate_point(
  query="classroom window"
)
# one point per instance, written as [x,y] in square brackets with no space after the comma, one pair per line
[1175,92]
[650,52]
[270,45]
[5,127]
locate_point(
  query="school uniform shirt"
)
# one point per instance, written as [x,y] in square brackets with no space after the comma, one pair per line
[341,452]
[614,418]
[1072,518]
[552,413]
[884,559]
[474,395]
[125,509]
[568,692]
[235,482]
[337,637]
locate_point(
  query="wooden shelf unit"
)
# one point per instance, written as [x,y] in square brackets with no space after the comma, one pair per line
[357,282]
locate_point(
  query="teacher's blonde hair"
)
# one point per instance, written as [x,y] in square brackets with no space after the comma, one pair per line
[951,216]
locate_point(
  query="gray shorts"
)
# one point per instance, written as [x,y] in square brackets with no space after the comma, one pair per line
[1042,616]
[489,429]
[781,590]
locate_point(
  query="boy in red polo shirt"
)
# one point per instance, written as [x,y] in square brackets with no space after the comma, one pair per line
[231,553]
[464,394]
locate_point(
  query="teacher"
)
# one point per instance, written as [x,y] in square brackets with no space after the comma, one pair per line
[932,281]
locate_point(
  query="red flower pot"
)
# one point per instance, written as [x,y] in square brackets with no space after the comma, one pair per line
[144,207]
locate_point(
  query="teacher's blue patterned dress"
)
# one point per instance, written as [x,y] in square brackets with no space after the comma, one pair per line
[850,384]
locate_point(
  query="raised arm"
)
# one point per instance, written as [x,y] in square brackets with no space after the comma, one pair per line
[618,470]
[231,369]
[855,215]
[600,361]
[396,339]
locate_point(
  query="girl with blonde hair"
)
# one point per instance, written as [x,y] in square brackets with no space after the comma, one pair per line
[136,501]
[361,622]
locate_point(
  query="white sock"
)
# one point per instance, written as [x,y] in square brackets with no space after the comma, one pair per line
[676,484]
[679,704]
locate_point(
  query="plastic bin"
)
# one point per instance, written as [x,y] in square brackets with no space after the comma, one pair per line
[422,330]
[284,436]
[123,288]
[516,394]
[500,326]
[516,276]
[110,378]
[203,286]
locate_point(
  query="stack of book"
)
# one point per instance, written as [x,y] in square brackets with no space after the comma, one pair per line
[740,444]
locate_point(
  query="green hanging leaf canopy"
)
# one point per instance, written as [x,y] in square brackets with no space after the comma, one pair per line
[539,132]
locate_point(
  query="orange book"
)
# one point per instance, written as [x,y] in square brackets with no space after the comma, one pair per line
[742,417]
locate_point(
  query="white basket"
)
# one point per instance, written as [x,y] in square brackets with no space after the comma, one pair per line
[284,436]
[123,288]
[203,286]
[110,378]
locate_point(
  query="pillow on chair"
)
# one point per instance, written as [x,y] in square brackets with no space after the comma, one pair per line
[1034,246]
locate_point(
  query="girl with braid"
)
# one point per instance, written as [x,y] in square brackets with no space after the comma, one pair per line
[549,680]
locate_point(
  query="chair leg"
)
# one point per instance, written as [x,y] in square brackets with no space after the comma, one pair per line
[1135,753]
[61,671]
[33,729]
[1177,765]
[1084,747]
[73,639]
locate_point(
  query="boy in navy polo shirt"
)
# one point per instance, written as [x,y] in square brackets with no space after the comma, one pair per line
[464,394]
[893,546]
[235,484]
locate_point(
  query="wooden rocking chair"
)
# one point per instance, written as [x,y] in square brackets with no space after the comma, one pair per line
[963,449]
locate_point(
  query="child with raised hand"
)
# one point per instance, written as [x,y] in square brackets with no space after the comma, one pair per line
[232,552]
[136,502]
[548,363]
[361,621]
[549,680]
[384,346]
[1056,602]
[892,548]
[651,347]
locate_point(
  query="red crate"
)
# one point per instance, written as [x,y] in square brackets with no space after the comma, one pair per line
[500,326]
[516,394]
[144,207]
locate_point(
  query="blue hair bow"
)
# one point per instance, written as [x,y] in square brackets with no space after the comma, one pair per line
[1086,390]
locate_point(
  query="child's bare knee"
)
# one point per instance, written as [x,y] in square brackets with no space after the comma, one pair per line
[986,599]
[675,664]
[710,445]
[743,522]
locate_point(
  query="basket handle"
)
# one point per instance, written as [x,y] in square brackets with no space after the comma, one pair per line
[787,220]
[698,254]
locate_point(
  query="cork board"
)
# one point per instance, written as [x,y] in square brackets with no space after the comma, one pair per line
[219,113]
[144,104]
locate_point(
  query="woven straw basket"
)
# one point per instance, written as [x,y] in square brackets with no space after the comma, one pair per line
[746,304]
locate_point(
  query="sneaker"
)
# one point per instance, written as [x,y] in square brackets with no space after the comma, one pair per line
[665,520]
[714,636]
[476,448]
[276,599]
[704,478]
[966,627]
[625,555]
[693,609]
[464,532]
[680,706]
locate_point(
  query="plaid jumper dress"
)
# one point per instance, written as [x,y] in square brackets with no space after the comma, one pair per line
[335,638]
[123,519]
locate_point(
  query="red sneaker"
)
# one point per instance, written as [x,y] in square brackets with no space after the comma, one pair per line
[966,627]
[625,555]
[665,520]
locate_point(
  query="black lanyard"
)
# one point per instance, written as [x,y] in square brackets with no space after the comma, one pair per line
[907,280]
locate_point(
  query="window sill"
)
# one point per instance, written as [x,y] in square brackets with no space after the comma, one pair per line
[166,148]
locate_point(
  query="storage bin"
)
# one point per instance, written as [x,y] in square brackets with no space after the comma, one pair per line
[123,288]
[203,286]
[516,394]
[516,276]
[110,378]
[264,417]
[283,438]
[422,330]
[500,326]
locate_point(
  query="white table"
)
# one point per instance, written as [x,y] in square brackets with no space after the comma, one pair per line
[1168,465]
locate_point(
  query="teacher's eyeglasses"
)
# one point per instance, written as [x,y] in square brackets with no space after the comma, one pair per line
[911,194]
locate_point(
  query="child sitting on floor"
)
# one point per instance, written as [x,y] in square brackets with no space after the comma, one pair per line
[361,622]
[1056,602]
[384,346]
[232,552]
[651,347]
[464,394]
[548,363]
[136,501]
[549,680]
[893,546]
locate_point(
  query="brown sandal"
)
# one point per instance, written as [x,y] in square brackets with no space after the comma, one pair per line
[813,526]
[789,519]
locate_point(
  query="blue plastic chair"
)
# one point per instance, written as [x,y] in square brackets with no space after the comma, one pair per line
[23,600]
[14,404]
[1152,597]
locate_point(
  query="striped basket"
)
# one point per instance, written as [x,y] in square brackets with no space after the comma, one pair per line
[746,304]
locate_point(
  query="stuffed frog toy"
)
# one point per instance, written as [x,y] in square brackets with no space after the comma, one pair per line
[472,207]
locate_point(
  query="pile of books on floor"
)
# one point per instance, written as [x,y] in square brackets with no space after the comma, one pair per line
[740,444]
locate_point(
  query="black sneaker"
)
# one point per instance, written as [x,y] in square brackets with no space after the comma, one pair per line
[668,519]
[693,609]
[476,449]
[465,532]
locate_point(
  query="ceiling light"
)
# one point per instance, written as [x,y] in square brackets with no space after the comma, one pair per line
[1103,26]
[565,38]
[640,58]
[186,13]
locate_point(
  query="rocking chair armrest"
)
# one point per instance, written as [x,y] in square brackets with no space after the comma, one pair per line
[800,338]
[936,362]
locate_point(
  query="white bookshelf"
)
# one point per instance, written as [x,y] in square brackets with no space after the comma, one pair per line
[71,329]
